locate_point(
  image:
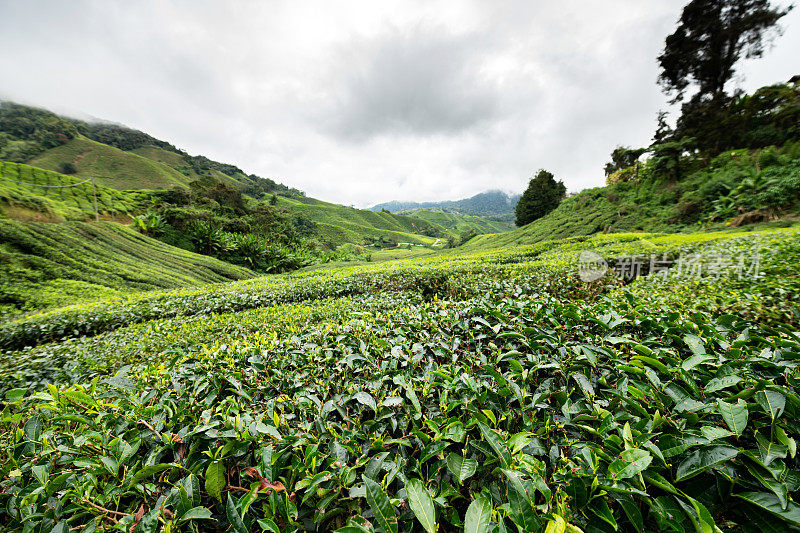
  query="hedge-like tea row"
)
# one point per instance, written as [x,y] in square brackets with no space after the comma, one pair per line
[523,408]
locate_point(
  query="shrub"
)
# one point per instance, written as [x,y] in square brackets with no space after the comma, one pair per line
[67,167]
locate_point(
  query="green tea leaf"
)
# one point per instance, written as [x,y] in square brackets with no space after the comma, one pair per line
[771,402]
[381,506]
[421,502]
[196,513]
[493,438]
[478,517]
[33,428]
[365,399]
[734,415]
[771,503]
[630,463]
[521,499]
[695,344]
[234,518]
[215,480]
[703,459]
[722,383]
[461,467]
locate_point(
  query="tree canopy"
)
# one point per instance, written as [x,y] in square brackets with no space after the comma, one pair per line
[712,36]
[543,195]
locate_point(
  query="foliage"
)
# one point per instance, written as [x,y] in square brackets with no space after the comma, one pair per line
[457,223]
[30,192]
[712,36]
[543,195]
[29,131]
[514,397]
[668,156]
[150,223]
[45,265]
[337,224]
[709,195]
[68,167]
[623,157]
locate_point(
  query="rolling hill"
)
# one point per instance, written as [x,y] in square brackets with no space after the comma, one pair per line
[123,160]
[123,157]
[339,224]
[45,265]
[459,224]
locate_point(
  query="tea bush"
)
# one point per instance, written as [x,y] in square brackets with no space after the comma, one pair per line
[491,391]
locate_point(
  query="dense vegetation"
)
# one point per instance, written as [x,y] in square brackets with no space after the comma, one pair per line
[190,202]
[339,224]
[736,188]
[30,193]
[489,391]
[458,224]
[46,265]
[214,218]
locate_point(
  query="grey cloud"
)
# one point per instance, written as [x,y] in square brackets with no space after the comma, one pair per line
[419,82]
[359,101]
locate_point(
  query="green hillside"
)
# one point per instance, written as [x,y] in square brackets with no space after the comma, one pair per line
[738,187]
[340,224]
[125,158]
[45,265]
[458,224]
[30,193]
[113,167]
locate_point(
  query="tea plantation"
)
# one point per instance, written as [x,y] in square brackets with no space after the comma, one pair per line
[484,391]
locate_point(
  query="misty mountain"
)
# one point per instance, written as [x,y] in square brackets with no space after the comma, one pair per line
[489,203]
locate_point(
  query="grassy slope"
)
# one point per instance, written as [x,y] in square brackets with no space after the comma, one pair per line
[342,224]
[55,201]
[114,167]
[45,265]
[653,206]
[151,167]
[177,162]
[457,223]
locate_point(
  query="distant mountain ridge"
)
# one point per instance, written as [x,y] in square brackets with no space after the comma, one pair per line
[489,203]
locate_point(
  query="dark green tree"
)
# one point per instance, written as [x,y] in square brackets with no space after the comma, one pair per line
[667,158]
[623,157]
[543,195]
[68,167]
[273,200]
[712,36]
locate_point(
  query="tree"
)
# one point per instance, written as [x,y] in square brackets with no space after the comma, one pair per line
[273,200]
[712,36]
[667,158]
[663,131]
[543,195]
[623,157]
[67,167]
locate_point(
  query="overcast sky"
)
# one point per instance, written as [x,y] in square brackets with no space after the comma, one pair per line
[364,102]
